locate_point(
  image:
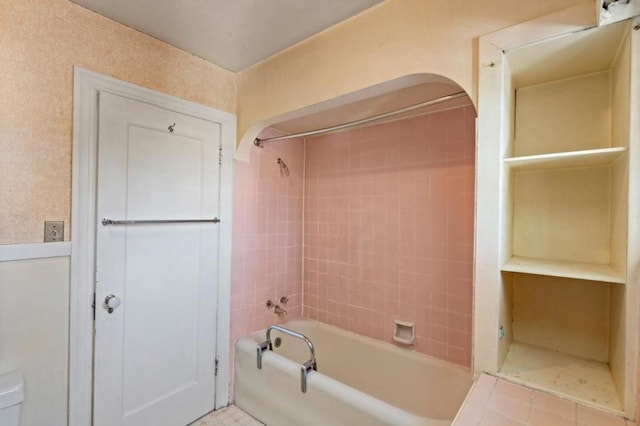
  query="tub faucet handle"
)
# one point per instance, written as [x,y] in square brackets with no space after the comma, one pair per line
[284,300]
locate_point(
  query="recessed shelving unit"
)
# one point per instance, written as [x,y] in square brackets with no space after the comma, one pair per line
[555,259]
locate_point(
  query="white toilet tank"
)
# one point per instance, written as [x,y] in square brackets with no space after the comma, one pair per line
[11,397]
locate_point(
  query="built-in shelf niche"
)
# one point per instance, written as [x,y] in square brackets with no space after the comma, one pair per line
[566,213]
[563,337]
[557,192]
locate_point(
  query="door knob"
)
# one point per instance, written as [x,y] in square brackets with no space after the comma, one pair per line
[112,301]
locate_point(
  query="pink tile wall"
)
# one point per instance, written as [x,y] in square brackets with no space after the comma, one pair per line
[267,236]
[389,230]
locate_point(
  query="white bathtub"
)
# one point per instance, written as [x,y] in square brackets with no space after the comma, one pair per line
[360,381]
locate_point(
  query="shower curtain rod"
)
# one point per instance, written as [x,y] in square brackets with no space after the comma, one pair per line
[259,142]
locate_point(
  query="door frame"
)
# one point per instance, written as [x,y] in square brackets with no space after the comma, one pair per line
[87,86]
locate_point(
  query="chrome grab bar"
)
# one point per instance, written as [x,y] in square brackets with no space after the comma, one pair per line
[305,368]
[107,222]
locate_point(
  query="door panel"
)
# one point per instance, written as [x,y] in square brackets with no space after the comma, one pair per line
[154,354]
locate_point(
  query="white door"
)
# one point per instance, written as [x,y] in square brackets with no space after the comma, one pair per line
[154,361]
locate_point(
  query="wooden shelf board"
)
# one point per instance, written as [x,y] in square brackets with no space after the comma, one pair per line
[588,158]
[557,268]
[582,379]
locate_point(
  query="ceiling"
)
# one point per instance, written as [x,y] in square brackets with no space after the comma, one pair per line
[234,34]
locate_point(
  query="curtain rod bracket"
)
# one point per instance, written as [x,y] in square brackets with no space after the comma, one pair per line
[257,142]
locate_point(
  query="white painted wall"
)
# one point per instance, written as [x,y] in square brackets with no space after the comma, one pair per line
[34,338]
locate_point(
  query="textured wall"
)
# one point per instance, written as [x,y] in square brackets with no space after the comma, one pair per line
[40,42]
[267,236]
[389,213]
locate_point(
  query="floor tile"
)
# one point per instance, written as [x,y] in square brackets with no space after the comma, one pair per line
[500,403]
[513,391]
[508,407]
[592,417]
[557,406]
[229,416]
[539,417]
[491,418]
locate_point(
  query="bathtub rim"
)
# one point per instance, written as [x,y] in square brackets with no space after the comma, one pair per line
[405,351]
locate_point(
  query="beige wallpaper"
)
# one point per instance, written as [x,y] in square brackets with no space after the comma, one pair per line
[40,43]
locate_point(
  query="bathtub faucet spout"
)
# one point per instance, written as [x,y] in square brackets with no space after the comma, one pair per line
[276,308]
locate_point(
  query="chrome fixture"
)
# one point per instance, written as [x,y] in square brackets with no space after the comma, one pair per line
[283,167]
[277,309]
[112,302]
[306,368]
[107,222]
[260,142]
[607,3]
[284,300]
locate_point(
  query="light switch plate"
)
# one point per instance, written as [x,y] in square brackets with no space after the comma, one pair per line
[53,231]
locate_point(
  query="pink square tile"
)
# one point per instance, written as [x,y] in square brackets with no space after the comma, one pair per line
[592,417]
[460,356]
[492,418]
[513,391]
[555,405]
[485,383]
[513,409]
[460,287]
[467,417]
[438,300]
[540,417]
[437,349]
[438,317]
[459,322]
[460,305]
[439,333]
[478,398]
[459,339]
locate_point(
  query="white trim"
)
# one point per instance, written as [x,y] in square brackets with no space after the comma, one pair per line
[87,85]
[11,252]
[223,332]
[633,230]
